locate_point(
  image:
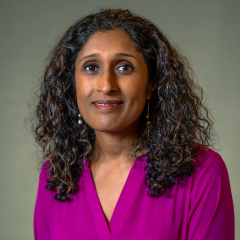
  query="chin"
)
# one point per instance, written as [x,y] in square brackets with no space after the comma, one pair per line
[108,127]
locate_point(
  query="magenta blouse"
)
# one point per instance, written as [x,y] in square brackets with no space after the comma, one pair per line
[201,209]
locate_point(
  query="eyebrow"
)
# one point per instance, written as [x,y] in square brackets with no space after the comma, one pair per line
[117,55]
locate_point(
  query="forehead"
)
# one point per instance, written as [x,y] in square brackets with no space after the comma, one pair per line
[111,40]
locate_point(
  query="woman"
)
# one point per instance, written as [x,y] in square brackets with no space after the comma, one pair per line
[127,139]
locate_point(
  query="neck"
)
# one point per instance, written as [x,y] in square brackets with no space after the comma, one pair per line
[114,146]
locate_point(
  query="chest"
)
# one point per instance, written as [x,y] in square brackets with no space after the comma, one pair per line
[109,185]
[133,215]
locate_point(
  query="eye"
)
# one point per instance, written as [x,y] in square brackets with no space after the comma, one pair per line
[91,68]
[125,67]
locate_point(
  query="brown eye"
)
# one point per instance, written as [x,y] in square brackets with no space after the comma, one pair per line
[91,67]
[125,67]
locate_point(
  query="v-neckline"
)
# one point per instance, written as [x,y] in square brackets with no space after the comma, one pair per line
[98,216]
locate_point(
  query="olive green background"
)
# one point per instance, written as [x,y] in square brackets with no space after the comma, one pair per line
[206,32]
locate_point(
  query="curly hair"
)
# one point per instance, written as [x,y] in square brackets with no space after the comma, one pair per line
[179,121]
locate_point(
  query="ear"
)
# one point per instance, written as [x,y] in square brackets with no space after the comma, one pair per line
[151,88]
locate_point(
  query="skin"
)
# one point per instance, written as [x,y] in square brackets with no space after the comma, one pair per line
[107,76]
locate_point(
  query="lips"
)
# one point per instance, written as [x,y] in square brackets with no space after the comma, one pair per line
[102,104]
[109,102]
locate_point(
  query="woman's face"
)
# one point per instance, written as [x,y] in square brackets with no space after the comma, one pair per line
[109,68]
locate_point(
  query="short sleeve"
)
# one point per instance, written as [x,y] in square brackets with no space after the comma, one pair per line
[41,212]
[211,214]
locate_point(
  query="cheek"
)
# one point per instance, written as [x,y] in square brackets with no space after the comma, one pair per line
[137,93]
[83,91]
[136,102]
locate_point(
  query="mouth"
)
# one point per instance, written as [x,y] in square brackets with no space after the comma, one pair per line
[106,104]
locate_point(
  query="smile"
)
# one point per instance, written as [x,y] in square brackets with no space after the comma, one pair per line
[102,104]
[106,105]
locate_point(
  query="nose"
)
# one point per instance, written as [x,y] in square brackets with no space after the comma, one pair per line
[107,83]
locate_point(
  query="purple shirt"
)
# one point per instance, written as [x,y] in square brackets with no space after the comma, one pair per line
[202,209]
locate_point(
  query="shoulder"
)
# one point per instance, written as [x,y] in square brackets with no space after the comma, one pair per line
[209,162]
[44,173]
[210,174]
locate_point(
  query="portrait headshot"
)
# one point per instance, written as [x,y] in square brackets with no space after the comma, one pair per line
[120,122]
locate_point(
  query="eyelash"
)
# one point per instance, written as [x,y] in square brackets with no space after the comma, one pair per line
[128,65]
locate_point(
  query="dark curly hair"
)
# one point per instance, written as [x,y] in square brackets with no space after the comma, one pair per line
[179,121]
